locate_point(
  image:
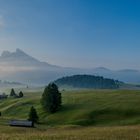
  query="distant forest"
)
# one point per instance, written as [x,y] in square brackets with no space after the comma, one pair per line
[88,81]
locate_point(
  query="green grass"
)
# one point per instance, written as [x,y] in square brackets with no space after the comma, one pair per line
[85,107]
[85,115]
[71,133]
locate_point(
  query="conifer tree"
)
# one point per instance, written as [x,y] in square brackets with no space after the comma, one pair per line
[12,93]
[20,94]
[51,98]
[33,115]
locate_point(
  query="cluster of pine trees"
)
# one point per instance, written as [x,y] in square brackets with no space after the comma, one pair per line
[13,94]
[88,81]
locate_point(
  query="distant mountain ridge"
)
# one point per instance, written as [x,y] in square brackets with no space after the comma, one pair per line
[19,66]
[10,84]
[20,56]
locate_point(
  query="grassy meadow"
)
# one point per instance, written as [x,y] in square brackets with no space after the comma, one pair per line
[85,115]
[71,133]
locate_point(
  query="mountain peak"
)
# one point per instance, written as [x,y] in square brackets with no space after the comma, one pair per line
[16,56]
[101,69]
[5,54]
[19,51]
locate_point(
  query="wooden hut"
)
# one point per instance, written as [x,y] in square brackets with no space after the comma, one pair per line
[21,123]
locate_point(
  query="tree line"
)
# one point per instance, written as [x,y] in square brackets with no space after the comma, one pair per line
[88,81]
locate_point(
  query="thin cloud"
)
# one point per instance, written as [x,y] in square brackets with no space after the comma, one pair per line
[12,69]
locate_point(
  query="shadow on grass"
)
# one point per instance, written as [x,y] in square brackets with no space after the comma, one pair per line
[109,117]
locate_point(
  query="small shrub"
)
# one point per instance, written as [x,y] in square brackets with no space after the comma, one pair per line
[21,94]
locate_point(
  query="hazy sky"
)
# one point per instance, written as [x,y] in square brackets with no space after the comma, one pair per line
[75,33]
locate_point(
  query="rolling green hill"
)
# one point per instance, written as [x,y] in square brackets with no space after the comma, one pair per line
[80,107]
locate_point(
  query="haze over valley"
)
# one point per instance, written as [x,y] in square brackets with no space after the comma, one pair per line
[21,67]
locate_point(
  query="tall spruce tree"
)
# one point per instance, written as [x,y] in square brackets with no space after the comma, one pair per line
[12,93]
[51,98]
[33,115]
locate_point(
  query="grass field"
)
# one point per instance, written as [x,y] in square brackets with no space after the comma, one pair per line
[85,115]
[71,133]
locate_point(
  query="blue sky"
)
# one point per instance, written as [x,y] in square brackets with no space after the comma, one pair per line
[74,33]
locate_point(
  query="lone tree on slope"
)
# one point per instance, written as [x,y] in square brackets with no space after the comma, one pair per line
[51,98]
